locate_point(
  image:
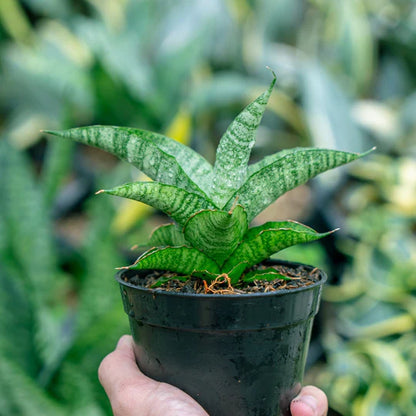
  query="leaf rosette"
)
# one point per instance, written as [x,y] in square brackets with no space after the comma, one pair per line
[212,206]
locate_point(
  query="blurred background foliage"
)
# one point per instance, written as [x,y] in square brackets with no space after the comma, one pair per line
[346,80]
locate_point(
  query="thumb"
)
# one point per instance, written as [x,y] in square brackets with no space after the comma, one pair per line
[311,401]
[119,369]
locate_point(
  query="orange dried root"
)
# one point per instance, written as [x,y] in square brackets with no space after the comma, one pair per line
[215,286]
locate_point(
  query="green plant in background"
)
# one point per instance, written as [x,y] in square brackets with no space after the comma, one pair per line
[212,206]
[46,338]
[338,63]
[371,354]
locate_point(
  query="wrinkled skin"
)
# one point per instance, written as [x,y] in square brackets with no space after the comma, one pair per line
[131,393]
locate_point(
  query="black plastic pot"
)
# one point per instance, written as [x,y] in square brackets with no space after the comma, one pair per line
[238,355]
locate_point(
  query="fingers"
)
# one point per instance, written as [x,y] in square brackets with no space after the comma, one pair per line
[131,392]
[311,401]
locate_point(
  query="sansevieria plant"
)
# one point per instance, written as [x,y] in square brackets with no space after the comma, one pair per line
[212,206]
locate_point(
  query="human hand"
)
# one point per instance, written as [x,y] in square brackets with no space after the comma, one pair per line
[131,393]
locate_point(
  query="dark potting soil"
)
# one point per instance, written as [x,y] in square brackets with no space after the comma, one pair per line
[296,276]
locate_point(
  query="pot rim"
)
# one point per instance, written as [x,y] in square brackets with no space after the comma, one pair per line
[281,292]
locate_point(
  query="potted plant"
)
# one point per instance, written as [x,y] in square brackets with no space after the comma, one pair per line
[209,312]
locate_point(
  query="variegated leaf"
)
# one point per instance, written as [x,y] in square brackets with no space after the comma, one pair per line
[161,158]
[265,185]
[233,153]
[167,235]
[277,225]
[217,233]
[261,242]
[388,361]
[178,203]
[268,160]
[379,400]
[183,260]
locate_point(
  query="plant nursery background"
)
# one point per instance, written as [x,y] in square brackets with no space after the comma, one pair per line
[346,80]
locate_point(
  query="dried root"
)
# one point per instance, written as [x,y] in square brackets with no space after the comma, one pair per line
[217,285]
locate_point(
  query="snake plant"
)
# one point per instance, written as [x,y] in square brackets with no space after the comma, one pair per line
[212,206]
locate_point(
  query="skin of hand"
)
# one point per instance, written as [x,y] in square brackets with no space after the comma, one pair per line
[131,393]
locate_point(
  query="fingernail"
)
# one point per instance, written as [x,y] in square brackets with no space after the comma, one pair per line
[310,401]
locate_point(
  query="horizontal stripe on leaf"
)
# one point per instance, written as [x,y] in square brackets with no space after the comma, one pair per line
[161,158]
[269,159]
[217,233]
[183,260]
[233,152]
[176,202]
[167,235]
[264,186]
[260,243]
[276,225]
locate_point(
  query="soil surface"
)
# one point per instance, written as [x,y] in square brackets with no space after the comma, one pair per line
[295,276]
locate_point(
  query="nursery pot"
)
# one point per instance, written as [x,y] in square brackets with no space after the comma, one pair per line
[234,354]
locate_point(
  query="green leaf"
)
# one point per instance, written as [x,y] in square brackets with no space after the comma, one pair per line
[388,361]
[161,158]
[164,279]
[263,241]
[268,274]
[176,202]
[217,233]
[31,246]
[97,294]
[17,323]
[233,153]
[265,185]
[378,400]
[276,225]
[268,160]
[167,235]
[24,395]
[183,260]
[77,390]
[236,271]
[367,317]
[205,275]
[58,160]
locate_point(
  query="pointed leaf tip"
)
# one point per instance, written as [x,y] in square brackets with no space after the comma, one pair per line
[52,132]
[234,149]
[274,74]
[101,191]
[369,151]
[261,242]
[284,171]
